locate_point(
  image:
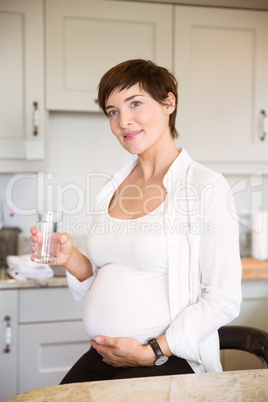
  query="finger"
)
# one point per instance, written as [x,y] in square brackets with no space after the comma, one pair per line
[64,237]
[92,342]
[101,349]
[34,238]
[32,257]
[33,248]
[33,230]
[105,351]
[106,341]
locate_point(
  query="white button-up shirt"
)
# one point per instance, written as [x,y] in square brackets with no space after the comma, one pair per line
[203,258]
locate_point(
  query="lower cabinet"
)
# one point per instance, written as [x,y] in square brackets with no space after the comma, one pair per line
[48,337]
[47,351]
[8,345]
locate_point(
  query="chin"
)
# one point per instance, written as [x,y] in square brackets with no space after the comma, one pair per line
[133,150]
[136,148]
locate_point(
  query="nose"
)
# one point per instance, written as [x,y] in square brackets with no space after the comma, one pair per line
[125,119]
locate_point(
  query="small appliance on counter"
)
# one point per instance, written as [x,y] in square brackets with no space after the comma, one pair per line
[8,243]
[10,222]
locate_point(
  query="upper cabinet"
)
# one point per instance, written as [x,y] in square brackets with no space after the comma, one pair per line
[21,80]
[220,57]
[244,4]
[86,38]
[221,62]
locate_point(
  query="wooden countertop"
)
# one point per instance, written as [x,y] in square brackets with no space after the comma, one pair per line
[244,385]
[254,269]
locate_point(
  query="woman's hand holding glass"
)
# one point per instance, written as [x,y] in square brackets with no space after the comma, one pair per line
[68,256]
[65,246]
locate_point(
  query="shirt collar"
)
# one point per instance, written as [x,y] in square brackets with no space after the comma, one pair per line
[177,170]
[175,173]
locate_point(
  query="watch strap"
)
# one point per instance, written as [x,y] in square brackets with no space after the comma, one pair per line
[155,346]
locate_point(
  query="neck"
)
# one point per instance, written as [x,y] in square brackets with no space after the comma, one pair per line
[155,161]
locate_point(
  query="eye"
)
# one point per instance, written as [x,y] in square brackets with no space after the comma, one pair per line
[111,113]
[135,103]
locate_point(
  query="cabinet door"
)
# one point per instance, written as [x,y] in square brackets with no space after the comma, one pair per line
[21,79]
[221,61]
[47,351]
[8,359]
[86,38]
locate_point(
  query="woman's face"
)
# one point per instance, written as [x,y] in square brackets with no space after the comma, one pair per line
[137,120]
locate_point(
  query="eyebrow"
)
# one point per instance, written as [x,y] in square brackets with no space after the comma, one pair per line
[125,100]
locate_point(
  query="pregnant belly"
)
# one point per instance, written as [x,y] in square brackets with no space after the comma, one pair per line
[124,302]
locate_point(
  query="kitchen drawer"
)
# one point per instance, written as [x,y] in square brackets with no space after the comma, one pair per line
[44,305]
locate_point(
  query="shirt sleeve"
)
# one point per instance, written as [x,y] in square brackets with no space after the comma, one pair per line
[77,288]
[219,273]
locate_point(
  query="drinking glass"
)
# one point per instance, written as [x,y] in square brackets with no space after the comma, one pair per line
[49,226]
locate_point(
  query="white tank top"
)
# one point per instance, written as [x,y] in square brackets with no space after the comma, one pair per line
[129,297]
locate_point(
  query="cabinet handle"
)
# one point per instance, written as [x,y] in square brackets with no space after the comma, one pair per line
[8,335]
[35,118]
[264,125]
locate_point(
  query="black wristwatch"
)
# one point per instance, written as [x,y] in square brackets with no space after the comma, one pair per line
[160,357]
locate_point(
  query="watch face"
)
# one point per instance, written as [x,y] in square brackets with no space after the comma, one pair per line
[161,360]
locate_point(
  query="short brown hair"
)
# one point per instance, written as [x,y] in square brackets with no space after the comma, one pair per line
[155,80]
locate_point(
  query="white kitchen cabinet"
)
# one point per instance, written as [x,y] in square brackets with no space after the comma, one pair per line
[47,351]
[8,357]
[85,38]
[221,62]
[21,80]
[48,337]
[253,313]
[51,336]
[245,4]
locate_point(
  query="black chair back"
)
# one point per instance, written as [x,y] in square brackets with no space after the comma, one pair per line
[249,339]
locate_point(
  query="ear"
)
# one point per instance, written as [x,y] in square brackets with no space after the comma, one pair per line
[170,103]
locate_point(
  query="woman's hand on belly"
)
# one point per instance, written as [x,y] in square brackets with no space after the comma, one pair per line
[124,352]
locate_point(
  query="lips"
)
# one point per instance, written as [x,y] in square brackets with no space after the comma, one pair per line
[132,134]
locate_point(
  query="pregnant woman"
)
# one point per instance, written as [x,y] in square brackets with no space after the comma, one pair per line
[162,271]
